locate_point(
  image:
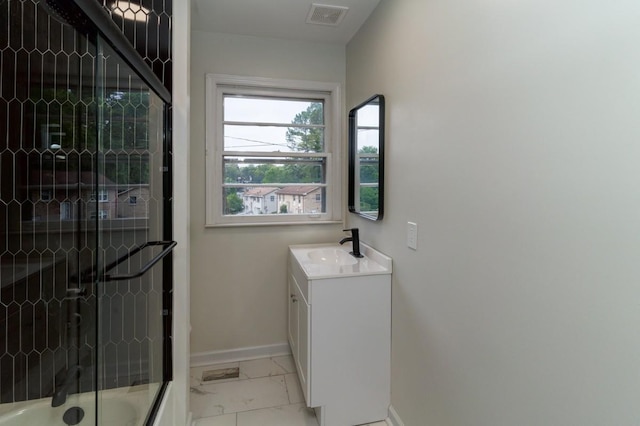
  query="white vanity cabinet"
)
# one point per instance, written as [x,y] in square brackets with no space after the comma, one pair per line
[340,333]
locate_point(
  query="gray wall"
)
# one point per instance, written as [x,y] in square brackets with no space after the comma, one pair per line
[238,275]
[513,143]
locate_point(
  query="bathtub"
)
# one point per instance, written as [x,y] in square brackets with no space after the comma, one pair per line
[118,407]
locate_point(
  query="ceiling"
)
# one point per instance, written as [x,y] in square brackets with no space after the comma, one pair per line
[278,18]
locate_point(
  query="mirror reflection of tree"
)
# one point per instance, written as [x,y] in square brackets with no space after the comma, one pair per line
[126,134]
[369,173]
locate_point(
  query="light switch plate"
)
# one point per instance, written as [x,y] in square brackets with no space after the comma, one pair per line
[412,235]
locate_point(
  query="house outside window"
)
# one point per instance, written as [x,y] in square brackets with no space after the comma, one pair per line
[301,199]
[265,134]
[133,199]
[260,200]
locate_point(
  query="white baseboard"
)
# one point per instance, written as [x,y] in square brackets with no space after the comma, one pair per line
[239,354]
[394,419]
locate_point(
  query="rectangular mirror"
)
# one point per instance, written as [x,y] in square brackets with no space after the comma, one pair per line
[366,158]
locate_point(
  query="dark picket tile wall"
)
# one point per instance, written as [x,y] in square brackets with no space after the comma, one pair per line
[46,96]
[46,70]
[150,33]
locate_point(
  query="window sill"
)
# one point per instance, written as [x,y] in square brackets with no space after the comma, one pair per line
[309,222]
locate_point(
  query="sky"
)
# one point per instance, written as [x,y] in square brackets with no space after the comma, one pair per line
[259,138]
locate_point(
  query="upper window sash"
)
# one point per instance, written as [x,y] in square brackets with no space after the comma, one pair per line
[238,130]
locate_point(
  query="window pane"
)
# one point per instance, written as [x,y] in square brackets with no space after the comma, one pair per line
[273,139]
[276,170]
[273,110]
[368,140]
[369,116]
[272,200]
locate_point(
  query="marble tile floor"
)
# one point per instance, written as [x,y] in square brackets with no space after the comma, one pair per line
[266,393]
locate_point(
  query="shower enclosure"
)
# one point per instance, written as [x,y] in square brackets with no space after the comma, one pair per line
[85,226]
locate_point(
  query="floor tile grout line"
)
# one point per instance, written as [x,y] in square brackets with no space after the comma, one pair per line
[276,363]
[216,382]
[286,388]
[276,406]
[283,379]
[258,409]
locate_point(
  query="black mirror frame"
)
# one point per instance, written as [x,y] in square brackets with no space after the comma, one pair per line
[353,156]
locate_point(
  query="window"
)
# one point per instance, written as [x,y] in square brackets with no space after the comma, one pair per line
[46,195]
[275,135]
[102,214]
[103,196]
[66,212]
[133,199]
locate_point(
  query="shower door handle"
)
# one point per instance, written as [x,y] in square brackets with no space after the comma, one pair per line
[168,247]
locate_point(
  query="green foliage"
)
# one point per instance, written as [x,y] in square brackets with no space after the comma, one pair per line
[293,173]
[74,114]
[126,128]
[368,150]
[368,199]
[133,171]
[369,173]
[284,209]
[269,173]
[307,139]
[234,204]
[126,120]
[231,173]
[369,166]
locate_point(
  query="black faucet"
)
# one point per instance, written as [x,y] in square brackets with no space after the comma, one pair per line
[355,238]
[60,395]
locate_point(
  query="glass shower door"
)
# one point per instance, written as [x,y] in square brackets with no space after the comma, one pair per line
[129,211]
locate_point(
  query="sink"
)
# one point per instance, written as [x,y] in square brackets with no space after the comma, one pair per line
[331,256]
[321,261]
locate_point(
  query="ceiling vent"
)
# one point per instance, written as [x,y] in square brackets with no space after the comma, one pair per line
[323,14]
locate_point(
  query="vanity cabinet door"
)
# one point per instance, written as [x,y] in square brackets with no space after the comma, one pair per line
[293,317]
[298,333]
[303,346]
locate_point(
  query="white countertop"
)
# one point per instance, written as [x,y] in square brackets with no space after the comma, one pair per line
[373,262]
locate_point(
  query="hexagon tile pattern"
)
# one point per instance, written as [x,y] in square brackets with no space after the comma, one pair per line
[147,25]
[52,217]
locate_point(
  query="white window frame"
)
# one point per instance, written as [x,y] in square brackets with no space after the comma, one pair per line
[216,84]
